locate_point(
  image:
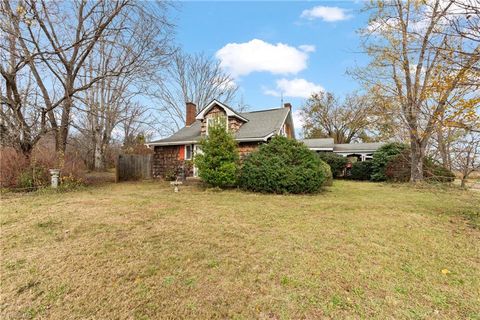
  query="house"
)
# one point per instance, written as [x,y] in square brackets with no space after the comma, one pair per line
[361,151]
[250,129]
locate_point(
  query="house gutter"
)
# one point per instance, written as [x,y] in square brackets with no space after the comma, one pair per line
[354,151]
[174,143]
[321,149]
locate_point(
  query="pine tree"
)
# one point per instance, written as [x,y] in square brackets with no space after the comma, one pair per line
[218,161]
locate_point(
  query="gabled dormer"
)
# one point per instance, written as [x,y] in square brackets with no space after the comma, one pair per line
[215,110]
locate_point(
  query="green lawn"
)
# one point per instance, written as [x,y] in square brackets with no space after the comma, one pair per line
[140,251]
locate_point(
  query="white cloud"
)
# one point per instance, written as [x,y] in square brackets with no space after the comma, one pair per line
[296,88]
[240,59]
[225,83]
[328,14]
[307,48]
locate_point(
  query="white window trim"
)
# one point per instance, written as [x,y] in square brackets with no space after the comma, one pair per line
[197,150]
[191,151]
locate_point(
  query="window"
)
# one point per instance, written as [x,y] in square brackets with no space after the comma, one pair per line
[188,151]
[215,120]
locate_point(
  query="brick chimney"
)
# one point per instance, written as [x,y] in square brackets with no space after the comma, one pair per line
[191,112]
[287,105]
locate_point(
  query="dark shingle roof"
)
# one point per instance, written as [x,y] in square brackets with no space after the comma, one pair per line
[325,143]
[357,147]
[186,134]
[260,125]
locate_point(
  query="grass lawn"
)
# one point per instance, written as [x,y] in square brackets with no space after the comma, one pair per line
[140,251]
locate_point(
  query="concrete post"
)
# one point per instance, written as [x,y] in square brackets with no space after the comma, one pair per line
[55,173]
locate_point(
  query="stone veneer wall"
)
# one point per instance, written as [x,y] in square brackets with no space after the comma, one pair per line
[244,148]
[166,161]
[234,124]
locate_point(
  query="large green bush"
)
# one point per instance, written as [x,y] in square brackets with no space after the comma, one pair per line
[382,156]
[361,170]
[282,166]
[328,173]
[336,162]
[218,162]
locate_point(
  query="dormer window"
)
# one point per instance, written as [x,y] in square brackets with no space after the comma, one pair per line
[217,120]
[232,120]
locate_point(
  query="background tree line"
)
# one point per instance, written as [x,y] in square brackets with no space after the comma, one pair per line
[422,85]
[90,75]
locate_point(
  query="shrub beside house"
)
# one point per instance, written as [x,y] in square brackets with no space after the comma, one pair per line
[218,162]
[336,162]
[283,166]
[361,170]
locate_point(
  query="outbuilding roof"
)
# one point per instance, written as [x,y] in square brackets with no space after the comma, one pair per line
[319,144]
[357,147]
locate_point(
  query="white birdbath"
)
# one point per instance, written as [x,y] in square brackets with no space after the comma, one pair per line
[55,173]
[176,183]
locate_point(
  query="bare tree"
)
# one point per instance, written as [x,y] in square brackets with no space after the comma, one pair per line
[466,154]
[416,60]
[111,101]
[61,51]
[325,116]
[22,115]
[56,56]
[191,78]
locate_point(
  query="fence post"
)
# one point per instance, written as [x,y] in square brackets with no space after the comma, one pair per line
[117,164]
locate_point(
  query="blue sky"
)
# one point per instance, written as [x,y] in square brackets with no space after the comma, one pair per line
[272,47]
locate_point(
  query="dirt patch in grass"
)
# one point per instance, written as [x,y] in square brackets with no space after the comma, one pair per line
[140,251]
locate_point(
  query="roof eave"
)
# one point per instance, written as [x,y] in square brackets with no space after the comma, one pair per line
[354,151]
[170,143]
[320,149]
[201,114]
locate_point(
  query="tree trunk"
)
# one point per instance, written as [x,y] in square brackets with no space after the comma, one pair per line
[99,157]
[27,149]
[417,156]
[442,149]
[62,132]
[463,182]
